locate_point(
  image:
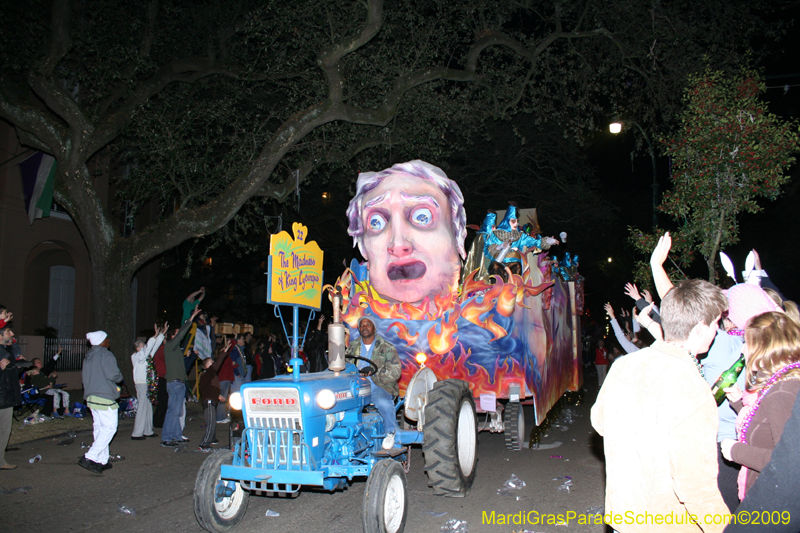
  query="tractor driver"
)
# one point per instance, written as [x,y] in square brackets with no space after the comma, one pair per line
[384,382]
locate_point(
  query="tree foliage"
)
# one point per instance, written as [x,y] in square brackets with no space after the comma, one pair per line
[201,106]
[728,152]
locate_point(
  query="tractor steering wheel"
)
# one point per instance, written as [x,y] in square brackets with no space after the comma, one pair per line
[367,371]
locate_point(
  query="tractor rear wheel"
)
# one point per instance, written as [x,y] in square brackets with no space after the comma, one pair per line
[450,442]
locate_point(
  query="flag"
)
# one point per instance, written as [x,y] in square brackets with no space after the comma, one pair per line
[37,173]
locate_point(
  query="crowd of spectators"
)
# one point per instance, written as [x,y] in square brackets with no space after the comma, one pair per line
[162,371]
[162,365]
[671,448]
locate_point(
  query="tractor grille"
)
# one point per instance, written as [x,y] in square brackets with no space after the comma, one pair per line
[275,428]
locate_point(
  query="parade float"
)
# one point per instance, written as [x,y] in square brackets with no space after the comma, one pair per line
[515,341]
[495,341]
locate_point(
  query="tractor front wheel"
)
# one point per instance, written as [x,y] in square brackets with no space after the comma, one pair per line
[385,499]
[219,505]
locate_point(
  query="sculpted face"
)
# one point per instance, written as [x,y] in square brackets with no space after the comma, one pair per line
[408,239]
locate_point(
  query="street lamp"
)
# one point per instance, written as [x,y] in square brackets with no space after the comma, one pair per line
[615,128]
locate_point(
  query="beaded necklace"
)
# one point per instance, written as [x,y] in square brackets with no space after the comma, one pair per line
[698,365]
[763,392]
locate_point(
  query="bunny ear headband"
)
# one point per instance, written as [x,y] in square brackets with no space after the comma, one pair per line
[749,274]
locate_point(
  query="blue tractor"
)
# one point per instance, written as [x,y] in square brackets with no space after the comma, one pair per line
[317,430]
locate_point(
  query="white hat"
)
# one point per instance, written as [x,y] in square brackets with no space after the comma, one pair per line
[96,337]
[363,318]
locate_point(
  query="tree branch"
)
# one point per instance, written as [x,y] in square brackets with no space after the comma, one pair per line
[329,59]
[60,39]
[144,51]
[42,132]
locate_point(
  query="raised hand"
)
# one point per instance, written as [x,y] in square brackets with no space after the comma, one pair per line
[632,291]
[661,251]
[610,311]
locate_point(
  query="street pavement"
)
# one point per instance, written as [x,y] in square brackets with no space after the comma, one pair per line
[157,483]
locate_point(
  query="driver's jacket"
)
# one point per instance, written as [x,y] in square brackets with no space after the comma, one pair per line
[385,357]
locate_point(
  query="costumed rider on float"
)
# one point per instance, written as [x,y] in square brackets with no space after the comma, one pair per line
[478,257]
[506,245]
[383,355]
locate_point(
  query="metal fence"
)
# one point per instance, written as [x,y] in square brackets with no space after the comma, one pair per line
[72,353]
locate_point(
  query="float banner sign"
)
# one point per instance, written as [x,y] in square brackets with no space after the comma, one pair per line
[295,274]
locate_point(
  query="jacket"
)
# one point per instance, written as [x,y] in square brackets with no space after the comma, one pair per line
[385,357]
[209,381]
[139,359]
[173,355]
[766,428]
[9,378]
[101,374]
[659,422]
[778,485]
[237,358]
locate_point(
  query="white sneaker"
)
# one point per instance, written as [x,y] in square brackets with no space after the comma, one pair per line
[388,441]
[224,420]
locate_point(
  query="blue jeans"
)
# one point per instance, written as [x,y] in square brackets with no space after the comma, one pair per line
[238,381]
[249,377]
[172,420]
[385,404]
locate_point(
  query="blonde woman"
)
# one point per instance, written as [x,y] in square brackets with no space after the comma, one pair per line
[772,353]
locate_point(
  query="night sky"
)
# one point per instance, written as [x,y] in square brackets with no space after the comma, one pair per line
[626,183]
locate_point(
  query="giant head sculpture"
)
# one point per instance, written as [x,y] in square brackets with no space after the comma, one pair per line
[409,224]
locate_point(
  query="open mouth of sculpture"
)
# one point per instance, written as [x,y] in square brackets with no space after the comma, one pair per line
[406,272]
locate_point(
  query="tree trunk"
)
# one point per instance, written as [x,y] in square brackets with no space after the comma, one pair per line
[113,311]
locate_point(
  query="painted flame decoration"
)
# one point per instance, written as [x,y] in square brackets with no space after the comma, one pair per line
[500,296]
[442,342]
[489,335]
[478,377]
[496,329]
[402,332]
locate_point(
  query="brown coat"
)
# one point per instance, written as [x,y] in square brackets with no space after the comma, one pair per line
[209,380]
[766,428]
[659,423]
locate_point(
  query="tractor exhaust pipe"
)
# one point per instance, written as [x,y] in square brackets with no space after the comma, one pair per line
[336,333]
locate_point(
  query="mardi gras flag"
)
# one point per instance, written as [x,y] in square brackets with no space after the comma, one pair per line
[37,173]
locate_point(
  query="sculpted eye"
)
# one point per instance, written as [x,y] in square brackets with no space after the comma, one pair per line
[422,216]
[376,222]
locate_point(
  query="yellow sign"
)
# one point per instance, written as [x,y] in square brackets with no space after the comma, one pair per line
[295,276]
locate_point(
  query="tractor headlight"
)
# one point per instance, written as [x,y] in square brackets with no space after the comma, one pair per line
[421,358]
[326,399]
[235,401]
[330,421]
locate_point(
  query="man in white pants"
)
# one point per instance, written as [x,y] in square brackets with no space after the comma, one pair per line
[100,377]
[143,427]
